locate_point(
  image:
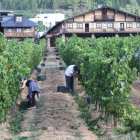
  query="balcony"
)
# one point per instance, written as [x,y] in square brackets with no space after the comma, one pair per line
[104,18]
[110,17]
[115,30]
[19,34]
[98,18]
[101,30]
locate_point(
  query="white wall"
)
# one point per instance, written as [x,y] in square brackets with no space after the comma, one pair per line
[48,20]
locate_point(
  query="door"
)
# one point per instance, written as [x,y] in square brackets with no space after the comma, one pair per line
[121,26]
[104,14]
[52,42]
[87,27]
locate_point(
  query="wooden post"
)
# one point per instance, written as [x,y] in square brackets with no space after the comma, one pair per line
[93,36]
[48,43]
[63,37]
[116,35]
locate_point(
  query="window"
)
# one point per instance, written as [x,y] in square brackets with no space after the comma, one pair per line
[111,17]
[9,30]
[138,24]
[18,29]
[129,25]
[80,25]
[50,24]
[27,30]
[69,25]
[110,25]
[18,18]
[104,25]
[98,25]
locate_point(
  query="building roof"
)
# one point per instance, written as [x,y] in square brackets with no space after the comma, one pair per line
[12,23]
[6,18]
[93,10]
[106,7]
[5,11]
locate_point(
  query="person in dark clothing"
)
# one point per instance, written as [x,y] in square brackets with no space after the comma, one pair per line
[33,89]
[69,74]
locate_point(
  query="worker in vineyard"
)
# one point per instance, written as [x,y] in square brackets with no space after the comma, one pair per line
[33,89]
[70,72]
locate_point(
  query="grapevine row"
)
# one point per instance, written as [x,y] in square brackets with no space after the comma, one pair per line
[107,69]
[16,59]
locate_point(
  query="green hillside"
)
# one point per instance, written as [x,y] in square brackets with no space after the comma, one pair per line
[71,6]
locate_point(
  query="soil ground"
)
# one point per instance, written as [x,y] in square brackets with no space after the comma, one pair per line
[56,116]
[135,96]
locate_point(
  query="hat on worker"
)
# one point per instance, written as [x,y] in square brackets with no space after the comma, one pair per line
[21,79]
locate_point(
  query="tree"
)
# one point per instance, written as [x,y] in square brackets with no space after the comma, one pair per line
[0,5]
[33,4]
[74,5]
[117,3]
[40,26]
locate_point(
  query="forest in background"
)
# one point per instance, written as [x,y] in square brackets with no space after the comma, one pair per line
[69,7]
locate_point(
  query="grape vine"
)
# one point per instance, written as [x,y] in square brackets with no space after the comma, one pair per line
[106,69]
[16,59]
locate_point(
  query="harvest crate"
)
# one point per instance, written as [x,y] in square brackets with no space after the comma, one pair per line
[61,68]
[38,69]
[45,58]
[42,64]
[62,89]
[42,78]
[57,58]
[60,63]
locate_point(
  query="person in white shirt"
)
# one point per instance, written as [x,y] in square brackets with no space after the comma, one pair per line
[69,73]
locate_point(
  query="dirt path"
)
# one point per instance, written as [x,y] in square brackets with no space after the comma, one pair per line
[56,116]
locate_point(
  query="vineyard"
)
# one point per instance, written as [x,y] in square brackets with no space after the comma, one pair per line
[16,59]
[108,67]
